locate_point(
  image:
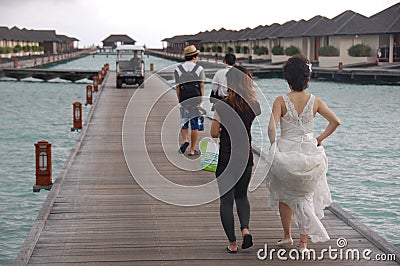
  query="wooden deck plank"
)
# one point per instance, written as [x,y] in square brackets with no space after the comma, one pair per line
[100,214]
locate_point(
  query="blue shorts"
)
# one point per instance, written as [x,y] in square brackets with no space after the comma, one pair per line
[191,115]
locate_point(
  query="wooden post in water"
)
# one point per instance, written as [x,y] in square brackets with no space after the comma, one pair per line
[95,84]
[43,166]
[77,115]
[89,94]
[151,67]
[340,66]
[100,77]
[16,63]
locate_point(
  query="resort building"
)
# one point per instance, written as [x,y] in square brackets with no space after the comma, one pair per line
[114,40]
[349,38]
[24,42]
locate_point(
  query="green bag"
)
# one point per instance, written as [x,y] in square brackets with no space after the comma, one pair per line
[209,154]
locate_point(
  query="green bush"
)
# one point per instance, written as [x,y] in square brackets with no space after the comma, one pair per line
[229,49]
[292,50]
[2,50]
[264,50]
[237,49]
[17,48]
[216,49]
[208,49]
[245,49]
[260,50]
[255,49]
[359,50]
[9,50]
[26,48]
[277,50]
[202,48]
[328,51]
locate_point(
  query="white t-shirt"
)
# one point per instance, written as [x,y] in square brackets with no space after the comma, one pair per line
[188,66]
[219,82]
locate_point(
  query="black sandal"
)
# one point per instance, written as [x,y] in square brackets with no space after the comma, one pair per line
[231,251]
[183,147]
[196,153]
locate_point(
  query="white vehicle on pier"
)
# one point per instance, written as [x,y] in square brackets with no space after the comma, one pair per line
[130,65]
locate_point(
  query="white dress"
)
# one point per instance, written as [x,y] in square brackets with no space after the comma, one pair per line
[297,175]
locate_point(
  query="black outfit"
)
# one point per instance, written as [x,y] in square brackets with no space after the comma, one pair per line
[235,186]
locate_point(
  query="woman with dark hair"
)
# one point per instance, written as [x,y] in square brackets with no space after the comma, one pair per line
[297,177]
[232,122]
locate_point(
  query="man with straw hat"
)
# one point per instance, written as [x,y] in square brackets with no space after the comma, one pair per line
[189,78]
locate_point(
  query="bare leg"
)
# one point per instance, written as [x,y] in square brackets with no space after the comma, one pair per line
[286,217]
[245,231]
[303,241]
[184,133]
[193,137]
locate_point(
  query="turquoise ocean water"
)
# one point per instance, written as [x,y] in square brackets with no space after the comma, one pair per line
[364,155]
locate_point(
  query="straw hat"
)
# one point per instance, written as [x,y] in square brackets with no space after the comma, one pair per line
[190,50]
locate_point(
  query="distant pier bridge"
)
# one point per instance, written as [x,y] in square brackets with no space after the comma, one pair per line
[48,74]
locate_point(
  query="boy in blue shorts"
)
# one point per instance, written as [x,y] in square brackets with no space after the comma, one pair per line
[189,78]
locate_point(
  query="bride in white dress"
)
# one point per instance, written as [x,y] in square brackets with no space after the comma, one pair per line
[297,177]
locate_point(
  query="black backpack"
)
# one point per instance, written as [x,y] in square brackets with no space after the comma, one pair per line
[189,87]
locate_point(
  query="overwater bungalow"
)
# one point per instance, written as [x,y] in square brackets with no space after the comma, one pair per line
[23,42]
[348,38]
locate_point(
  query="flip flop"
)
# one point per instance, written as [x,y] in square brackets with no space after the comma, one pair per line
[247,241]
[196,153]
[183,147]
[231,251]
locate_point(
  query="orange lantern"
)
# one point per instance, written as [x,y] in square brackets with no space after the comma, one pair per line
[77,116]
[43,166]
[100,76]
[89,95]
[95,84]
[340,66]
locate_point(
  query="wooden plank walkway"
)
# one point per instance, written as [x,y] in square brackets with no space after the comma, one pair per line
[97,214]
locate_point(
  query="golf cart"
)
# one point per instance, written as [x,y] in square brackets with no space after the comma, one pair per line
[130,65]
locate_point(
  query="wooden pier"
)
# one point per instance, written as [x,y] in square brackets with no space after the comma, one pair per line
[97,214]
[20,69]
[47,74]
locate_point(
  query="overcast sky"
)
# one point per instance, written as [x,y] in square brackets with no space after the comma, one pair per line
[150,21]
